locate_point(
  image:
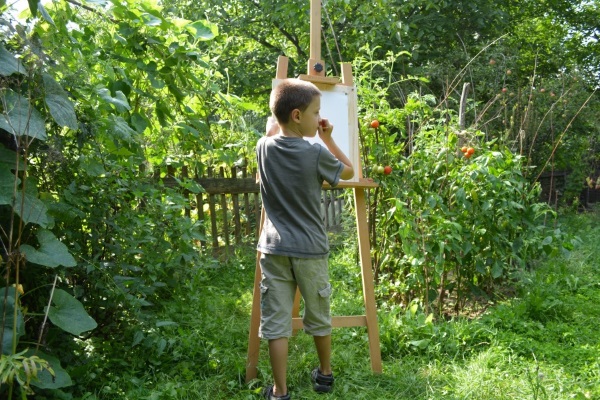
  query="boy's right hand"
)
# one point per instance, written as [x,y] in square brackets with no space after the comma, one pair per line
[272,126]
[325,129]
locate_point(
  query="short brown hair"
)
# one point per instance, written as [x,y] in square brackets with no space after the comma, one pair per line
[291,94]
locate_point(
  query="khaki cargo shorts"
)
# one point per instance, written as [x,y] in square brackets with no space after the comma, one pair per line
[280,277]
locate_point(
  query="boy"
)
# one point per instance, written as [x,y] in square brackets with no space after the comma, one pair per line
[293,242]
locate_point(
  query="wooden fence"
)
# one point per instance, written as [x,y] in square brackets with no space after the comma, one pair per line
[229,206]
[553,185]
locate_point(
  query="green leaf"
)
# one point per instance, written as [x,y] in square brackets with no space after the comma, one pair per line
[151,20]
[467,246]
[121,129]
[120,101]
[9,64]
[517,244]
[431,201]
[190,185]
[497,270]
[113,149]
[203,30]
[163,114]
[20,118]
[33,6]
[10,159]
[45,380]
[92,167]
[7,184]
[30,208]
[69,315]
[139,122]
[516,205]
[176,92]
[8,312]
[57,100]
[420,344]
[45,14]
[52,252]
[460,196]
[166,323]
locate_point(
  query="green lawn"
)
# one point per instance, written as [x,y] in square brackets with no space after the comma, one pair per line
[541,343]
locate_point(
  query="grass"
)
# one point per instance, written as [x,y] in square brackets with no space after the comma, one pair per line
[543,343]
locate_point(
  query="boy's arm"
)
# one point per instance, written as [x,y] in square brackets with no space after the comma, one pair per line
[272,126]
[325,131]
[271,129]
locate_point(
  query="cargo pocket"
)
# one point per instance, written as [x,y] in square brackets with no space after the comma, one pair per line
[263,298]
[324,299]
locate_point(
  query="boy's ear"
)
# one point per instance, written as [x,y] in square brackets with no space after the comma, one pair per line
[295,115]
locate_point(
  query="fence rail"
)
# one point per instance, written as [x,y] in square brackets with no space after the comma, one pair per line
[229,206]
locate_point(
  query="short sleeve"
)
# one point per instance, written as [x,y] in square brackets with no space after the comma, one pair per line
[329,168]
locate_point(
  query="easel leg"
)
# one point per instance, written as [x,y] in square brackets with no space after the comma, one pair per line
[367,279]
[253,339]
[296,309]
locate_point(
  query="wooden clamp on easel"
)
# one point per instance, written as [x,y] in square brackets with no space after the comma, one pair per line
[336,93]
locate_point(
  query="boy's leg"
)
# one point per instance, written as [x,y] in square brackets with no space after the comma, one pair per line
[323,345]
[312,276]
[278,355]
[278,288]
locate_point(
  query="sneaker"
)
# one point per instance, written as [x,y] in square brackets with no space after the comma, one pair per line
[268,394]
[321,383]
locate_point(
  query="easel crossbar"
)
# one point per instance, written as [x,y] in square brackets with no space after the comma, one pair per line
[347,321]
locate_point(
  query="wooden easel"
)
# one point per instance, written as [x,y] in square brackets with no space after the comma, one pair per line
[316,74]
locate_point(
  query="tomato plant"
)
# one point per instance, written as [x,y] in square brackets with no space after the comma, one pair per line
[443,227]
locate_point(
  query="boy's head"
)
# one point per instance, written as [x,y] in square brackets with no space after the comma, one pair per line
[291,94]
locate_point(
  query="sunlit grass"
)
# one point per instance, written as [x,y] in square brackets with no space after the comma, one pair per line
[540,344]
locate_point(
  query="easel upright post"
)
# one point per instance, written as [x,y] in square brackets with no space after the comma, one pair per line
[315,29]
[316,66]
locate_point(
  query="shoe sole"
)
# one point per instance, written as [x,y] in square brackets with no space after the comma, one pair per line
[322,388]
